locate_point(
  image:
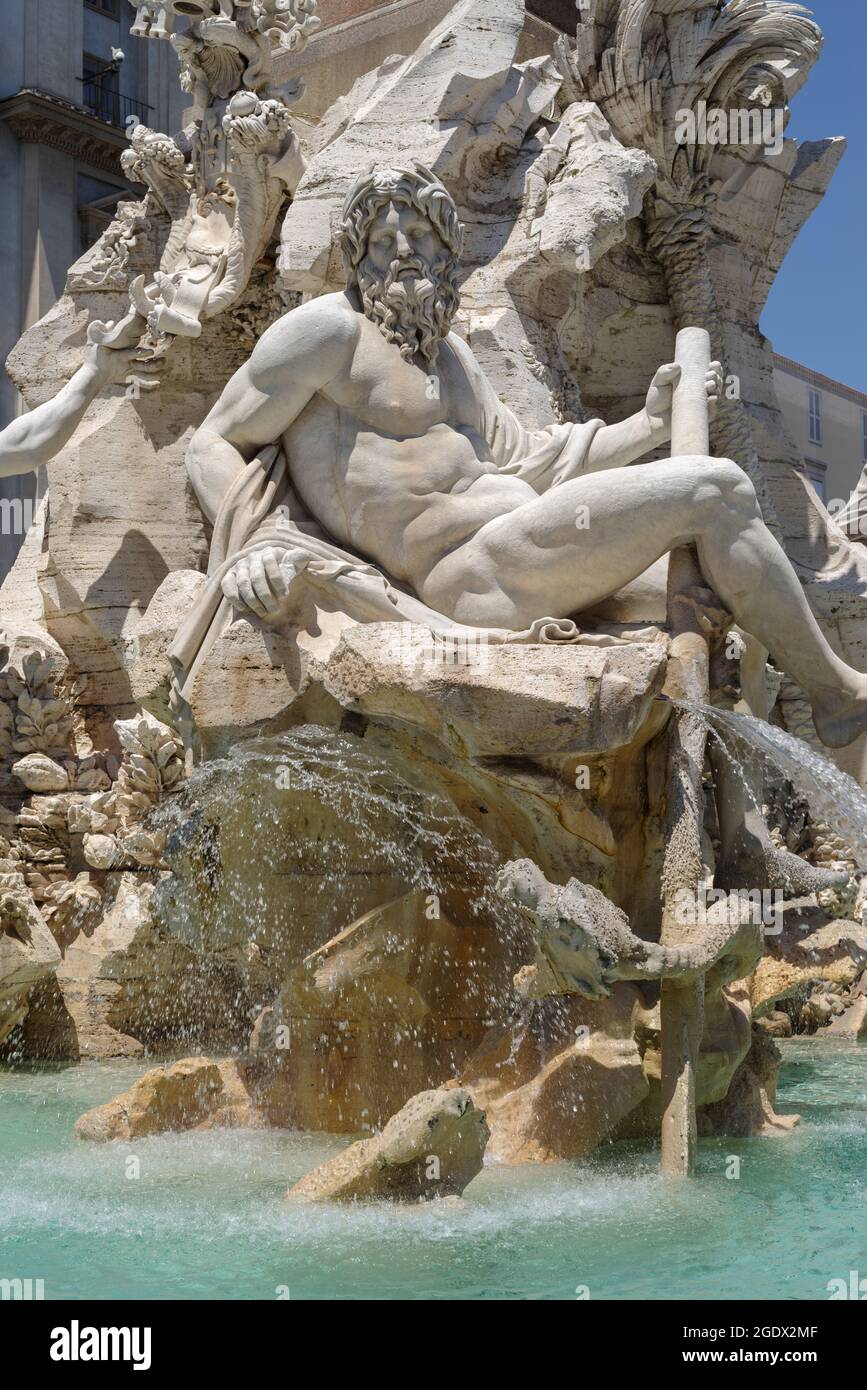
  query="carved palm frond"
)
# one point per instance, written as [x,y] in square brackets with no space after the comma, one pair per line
[645,61]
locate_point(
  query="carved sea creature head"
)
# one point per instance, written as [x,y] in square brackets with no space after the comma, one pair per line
[523,883]
[575,960]
[568,958]
[401,239]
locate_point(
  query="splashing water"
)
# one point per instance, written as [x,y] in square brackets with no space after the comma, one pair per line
[357,811]
[833,796]
[287,841]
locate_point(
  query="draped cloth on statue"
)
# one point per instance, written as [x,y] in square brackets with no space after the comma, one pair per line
[262,509]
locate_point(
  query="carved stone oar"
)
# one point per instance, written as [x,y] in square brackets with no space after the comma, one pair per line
[682,1001]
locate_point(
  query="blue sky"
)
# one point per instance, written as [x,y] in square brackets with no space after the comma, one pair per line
[817,311]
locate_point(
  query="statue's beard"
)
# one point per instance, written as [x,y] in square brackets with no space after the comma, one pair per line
[412,304]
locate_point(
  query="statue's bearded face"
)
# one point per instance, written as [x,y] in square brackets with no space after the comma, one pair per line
[407,279]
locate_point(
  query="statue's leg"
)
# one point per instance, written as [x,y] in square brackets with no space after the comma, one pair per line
[582,541]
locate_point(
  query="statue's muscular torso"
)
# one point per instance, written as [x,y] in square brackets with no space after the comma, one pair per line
[388,457]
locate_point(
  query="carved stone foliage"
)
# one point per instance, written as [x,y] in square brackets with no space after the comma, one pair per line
[222,182]
[152,765]
[108,266]
[81,809]
[34,718]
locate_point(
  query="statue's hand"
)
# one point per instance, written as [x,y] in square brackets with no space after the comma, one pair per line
[260,581]
[109,365]
[714,383]
[110,354]
[659,396]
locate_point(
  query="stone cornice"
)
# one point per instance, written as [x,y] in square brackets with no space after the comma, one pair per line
[39,118]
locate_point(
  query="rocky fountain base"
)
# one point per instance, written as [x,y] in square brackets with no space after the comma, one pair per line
[332,921]
[381,882]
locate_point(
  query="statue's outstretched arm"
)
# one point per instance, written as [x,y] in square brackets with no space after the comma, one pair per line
[36,437]
[649,429]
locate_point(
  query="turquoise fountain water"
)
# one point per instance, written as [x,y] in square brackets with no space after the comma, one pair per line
[205,1218]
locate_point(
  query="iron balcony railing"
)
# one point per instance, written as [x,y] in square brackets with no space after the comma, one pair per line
[112,107]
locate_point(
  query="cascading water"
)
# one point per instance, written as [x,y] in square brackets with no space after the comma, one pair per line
[316,805]
[832,795]
[290,841]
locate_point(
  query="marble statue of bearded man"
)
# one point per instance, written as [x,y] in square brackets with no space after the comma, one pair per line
[362,453]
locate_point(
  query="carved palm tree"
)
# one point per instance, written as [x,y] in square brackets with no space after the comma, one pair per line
[647,64]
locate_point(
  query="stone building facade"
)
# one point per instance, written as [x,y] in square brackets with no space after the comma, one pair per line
[828,422]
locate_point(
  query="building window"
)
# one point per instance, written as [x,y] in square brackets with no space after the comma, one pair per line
[109,7]
[101,94]
[817,472]
[814,403]
[100,91]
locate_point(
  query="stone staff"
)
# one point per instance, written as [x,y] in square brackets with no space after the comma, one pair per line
[682,1001]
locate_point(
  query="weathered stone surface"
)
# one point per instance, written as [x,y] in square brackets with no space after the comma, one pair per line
[122,483]
[247,683]
[41,774]
[836,953]
[89,994]
[125,984]
[192,1094]
[555,1083]
[395,1004]
[428,105]
[517,701]
[28,953]
[748,1106]
[852,1023]
[775,1024]
[21,608]
[152,637]
[725,1042]
[433,1147]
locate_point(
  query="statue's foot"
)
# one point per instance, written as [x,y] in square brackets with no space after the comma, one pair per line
[840,718]
[758,865]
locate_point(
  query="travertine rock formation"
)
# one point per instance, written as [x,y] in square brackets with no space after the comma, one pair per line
[431,1148]
[835,952]
[748,1107]
[559,1080]
[186,1095]
[28,951]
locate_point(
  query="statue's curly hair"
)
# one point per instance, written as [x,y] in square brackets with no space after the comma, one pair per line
[417,187]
